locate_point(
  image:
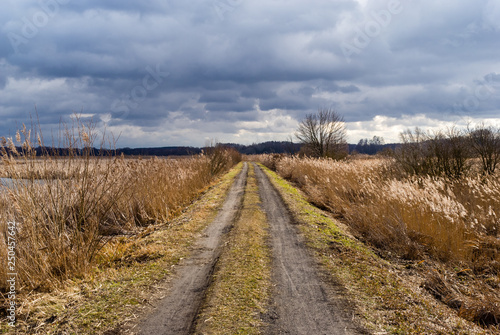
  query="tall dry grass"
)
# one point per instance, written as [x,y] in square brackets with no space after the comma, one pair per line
[451,223]
[450,220]
[67,208]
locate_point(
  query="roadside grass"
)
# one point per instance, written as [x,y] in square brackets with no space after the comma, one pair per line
[450,224]
[389,297]
[242,280]
[130,271]
[70,199]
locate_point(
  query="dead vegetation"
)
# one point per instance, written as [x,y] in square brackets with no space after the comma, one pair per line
[68,208]
[450,225]
[130,274]
[388,293]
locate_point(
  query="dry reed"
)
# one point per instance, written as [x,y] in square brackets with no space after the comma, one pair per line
[67,207]
[453,222]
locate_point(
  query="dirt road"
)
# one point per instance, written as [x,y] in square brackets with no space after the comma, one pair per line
[177,311]
[302,303]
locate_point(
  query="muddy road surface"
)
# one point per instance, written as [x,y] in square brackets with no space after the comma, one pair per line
[302,303]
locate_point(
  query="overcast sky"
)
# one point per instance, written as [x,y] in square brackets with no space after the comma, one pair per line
[177,72]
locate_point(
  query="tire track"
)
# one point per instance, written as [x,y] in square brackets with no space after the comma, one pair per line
[176,313]
[301,304]
[241,285]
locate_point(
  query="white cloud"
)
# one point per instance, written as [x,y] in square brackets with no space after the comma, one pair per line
[389,127]
[492,14]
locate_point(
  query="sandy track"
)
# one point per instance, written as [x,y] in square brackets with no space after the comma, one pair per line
[176,313]
[301,303]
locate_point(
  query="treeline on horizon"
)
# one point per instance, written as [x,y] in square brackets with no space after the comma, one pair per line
[270,147]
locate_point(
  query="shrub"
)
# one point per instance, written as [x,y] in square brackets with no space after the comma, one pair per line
[439,154]
[485,143]
[221,157]
[67,207]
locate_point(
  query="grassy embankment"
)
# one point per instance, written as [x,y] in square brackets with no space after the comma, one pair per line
[393,292]
[242,279]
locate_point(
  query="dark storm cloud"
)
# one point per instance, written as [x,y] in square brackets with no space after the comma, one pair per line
[164,69]
[219,96]
[117,5]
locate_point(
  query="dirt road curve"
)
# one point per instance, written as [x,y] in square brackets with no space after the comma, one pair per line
[301,302]
[177,312]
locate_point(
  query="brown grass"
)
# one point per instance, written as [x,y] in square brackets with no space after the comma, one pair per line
[451,222]
[388,296]
[130,274]
[68,208]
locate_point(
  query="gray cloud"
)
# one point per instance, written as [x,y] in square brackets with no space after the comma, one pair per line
[253,60]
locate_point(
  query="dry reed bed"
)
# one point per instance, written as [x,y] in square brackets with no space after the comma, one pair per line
[452,224]
[76,204]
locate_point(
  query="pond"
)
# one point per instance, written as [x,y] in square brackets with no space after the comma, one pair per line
[6,182]
[9,182]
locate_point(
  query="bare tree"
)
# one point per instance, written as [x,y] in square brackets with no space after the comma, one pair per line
[323,134]
[413,155]
[451,152]
[442,153]
[485,142]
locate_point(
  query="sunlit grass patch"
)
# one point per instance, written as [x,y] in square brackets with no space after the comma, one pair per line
[414,217]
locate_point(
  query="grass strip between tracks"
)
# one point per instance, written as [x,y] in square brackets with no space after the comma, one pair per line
[132,272]
[242,279]
[387,299]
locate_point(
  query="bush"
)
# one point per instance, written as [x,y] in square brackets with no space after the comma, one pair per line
[485,143]
[68,207]
[439,154]
[221,158]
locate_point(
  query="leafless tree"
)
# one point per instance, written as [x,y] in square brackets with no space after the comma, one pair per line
[323,134]
[413,154]
[485,141]
[442,153]
[451,152]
